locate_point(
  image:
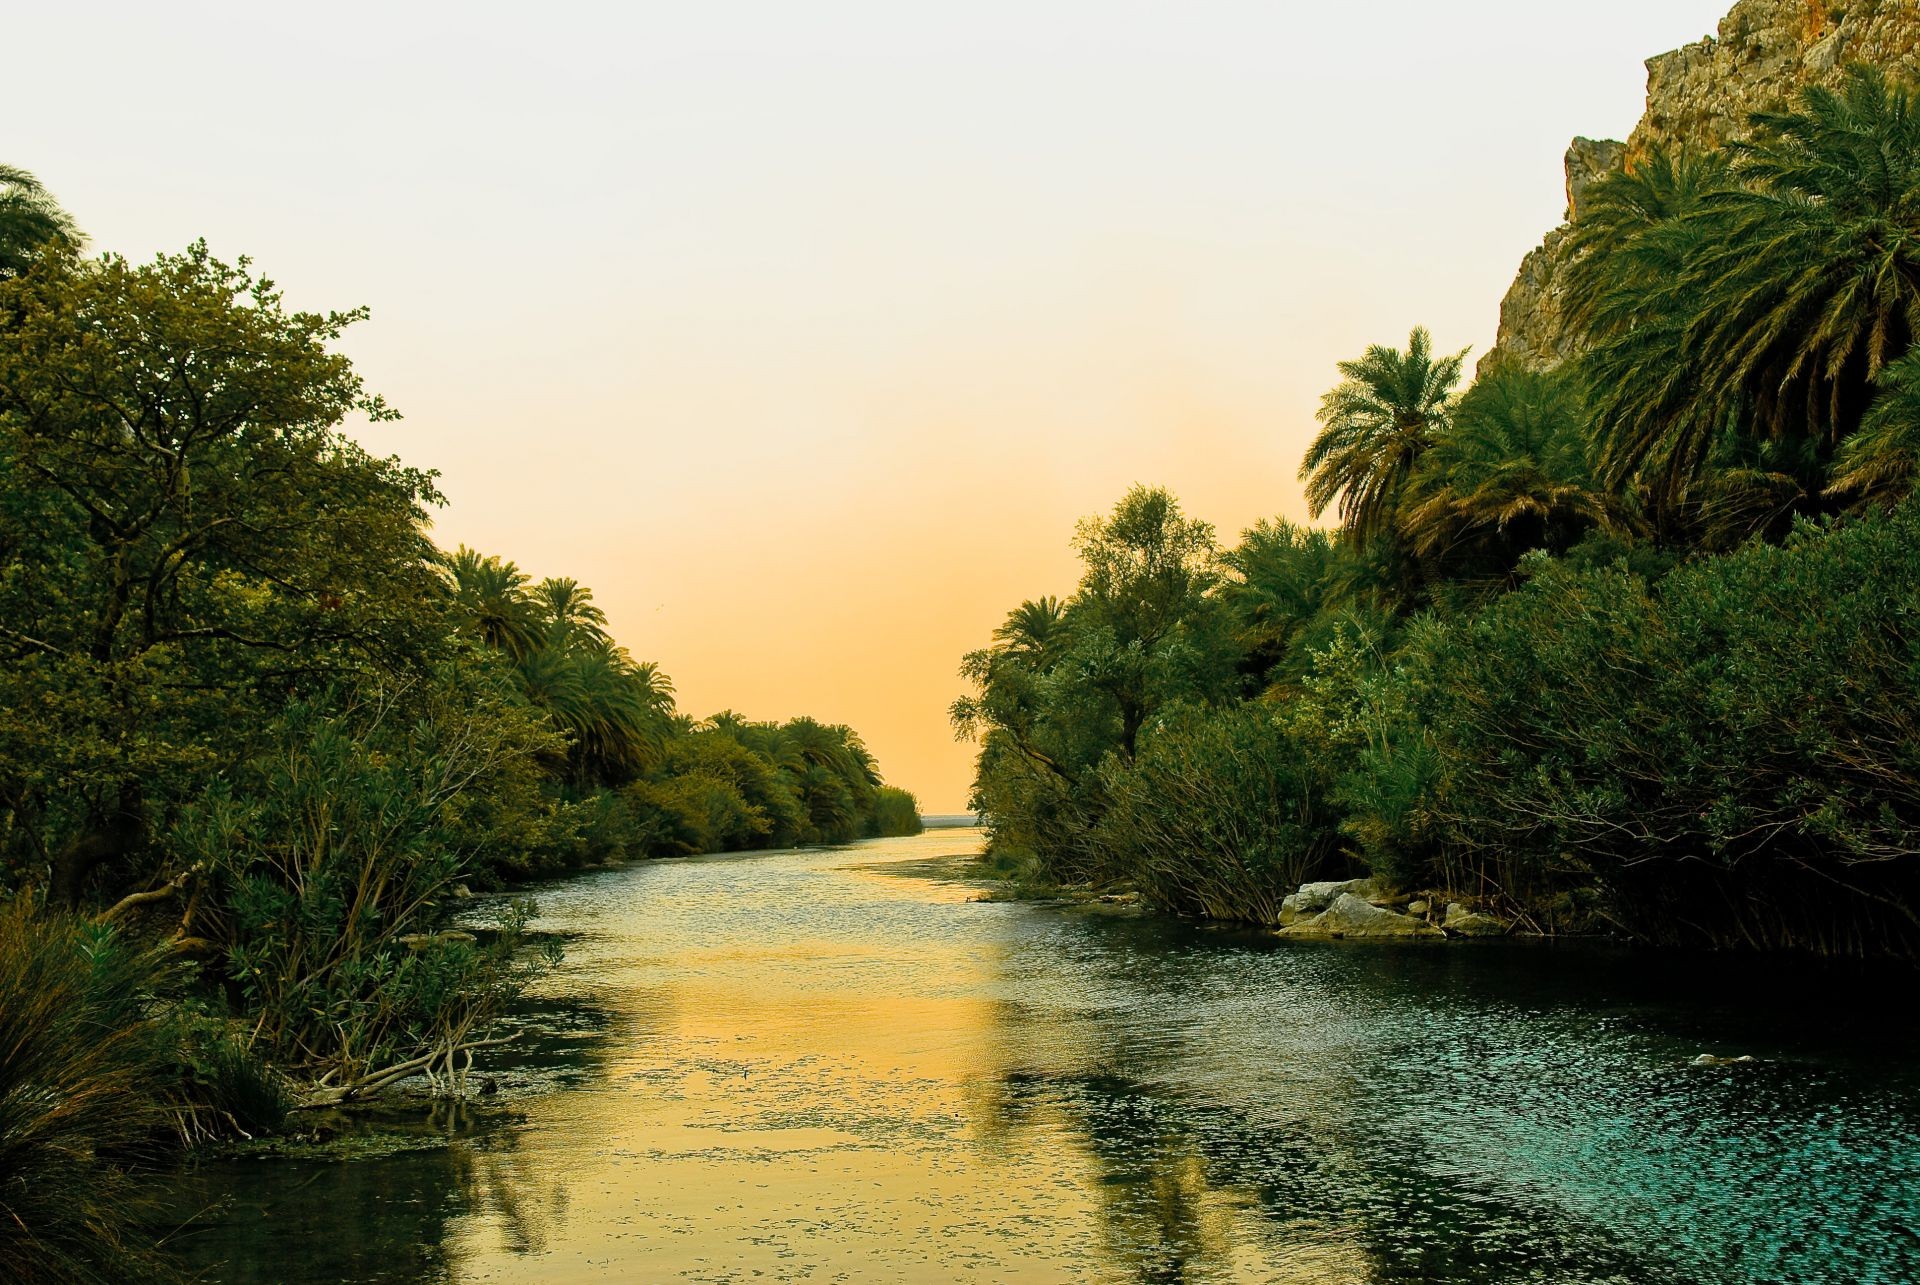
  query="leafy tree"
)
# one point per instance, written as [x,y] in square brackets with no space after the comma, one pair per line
[1145,629]
[1062,688]
[186,539]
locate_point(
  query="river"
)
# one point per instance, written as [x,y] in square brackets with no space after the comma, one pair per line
[836,1065]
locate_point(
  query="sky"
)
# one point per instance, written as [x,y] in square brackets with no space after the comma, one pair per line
[803,334]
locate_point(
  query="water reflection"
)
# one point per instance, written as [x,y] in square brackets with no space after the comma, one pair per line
[807,1066]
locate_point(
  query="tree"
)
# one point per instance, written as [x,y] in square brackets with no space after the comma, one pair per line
[1769,308]
[1142,612]
[30,220]
[491,597]
[1278,580]
[1376,424]
[187,540]
[1511,473]
[569,610]
[1878,464]
[1064,688]
[1033,628]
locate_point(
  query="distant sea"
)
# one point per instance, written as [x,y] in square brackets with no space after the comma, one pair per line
[948,820]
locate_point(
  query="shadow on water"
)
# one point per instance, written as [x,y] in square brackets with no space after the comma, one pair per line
[371,1194]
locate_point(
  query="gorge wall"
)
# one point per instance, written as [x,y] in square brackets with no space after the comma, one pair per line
[1702,95]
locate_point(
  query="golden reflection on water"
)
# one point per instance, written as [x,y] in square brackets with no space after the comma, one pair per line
[781,1099]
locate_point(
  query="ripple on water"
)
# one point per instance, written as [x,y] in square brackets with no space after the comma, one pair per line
[804,1066]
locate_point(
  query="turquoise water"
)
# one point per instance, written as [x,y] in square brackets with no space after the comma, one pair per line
[834,1065]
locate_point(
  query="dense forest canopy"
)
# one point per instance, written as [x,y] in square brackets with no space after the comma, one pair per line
[1623,643]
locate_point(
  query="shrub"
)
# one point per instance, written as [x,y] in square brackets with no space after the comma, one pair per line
[896,813]
[1220,815]
[1733,752]
[84,1066]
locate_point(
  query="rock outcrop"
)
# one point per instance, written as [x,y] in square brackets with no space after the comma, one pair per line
[1314,898]
[1702,95]
[1351,916]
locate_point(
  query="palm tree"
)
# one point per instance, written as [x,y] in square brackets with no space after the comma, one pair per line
[568,607]
[1278,578]
[617,715]
[1033,630]
[1878,464]
[490,595]
[1511,473]
[1375,426]
[1613,261]
[1773,306]
[29,219]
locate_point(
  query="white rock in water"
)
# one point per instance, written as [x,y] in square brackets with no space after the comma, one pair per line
[1316,897]
[1351,916]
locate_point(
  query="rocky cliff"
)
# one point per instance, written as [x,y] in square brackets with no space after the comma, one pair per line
[1701,95]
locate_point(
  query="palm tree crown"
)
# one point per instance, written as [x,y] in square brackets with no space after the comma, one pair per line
[29,219]
[1375,426]
[1766,308]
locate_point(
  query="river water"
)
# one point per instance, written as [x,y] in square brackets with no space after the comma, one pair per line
[835,1065]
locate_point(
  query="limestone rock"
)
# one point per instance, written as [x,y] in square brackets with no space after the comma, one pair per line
[1461,922]
[1316,897]
[1351,916]
[1702,95]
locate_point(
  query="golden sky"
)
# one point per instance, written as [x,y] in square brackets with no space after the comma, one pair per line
[802,333]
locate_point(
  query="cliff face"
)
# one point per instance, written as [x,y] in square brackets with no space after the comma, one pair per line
[1701,95]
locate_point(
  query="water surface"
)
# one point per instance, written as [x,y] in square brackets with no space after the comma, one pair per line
[833,1065]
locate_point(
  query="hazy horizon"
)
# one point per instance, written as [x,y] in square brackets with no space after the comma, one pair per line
[804,338]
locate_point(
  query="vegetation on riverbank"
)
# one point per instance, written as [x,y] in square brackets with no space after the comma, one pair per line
[1628,641]
[258,735]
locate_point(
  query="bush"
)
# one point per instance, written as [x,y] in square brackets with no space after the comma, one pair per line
[330,866]
[896,814]
[1734,752]
[1220,815]
[85,1067]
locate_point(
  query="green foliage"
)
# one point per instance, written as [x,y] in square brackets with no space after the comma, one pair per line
[1375,426]
[1879,463]
[1220,815]
[1761,298]
[30,221]
[1511,472]
[1063,688]
[85,1067]
[1729,751]
[186,539]
[896,814]
[330,860]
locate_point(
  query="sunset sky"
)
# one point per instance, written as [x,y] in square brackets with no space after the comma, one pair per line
[804,332]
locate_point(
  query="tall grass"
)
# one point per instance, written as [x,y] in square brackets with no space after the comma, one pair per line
[85,1064]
